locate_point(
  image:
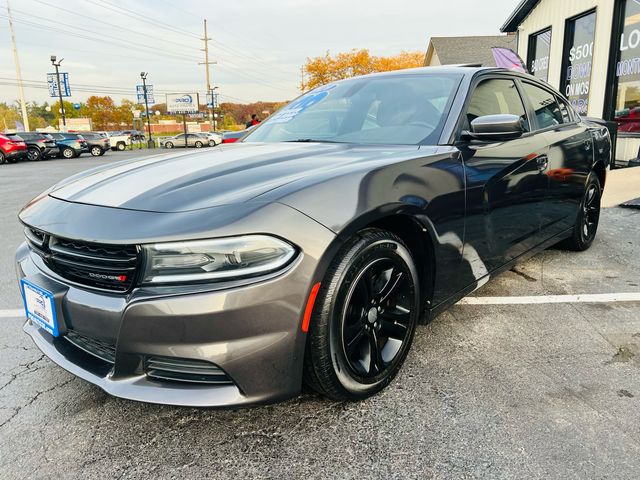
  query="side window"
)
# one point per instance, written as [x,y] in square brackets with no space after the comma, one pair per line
[568,115]
[545,105]
[496,97]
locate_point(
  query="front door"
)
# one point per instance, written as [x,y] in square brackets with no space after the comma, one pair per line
[507,185]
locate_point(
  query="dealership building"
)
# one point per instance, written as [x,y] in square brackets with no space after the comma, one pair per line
[590,51]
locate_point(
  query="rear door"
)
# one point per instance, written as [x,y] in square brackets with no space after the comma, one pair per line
[506,182]
[570,155]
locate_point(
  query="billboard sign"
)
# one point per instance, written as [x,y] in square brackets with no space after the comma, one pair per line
[52,82]
[182,103]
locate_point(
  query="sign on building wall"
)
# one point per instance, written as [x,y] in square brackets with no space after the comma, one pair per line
[538,52]
[182,103]
[627,101]
[578,61]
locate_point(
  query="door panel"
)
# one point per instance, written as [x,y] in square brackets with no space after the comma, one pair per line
[506,195]
[507,184]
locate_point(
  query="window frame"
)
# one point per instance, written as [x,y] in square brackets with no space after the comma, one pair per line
[530,43]
[566,48]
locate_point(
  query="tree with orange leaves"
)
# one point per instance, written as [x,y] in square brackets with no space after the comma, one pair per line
[328,68]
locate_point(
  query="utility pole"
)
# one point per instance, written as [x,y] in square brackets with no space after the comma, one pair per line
[23,104]
[57,64]
[143,76]
[206,64]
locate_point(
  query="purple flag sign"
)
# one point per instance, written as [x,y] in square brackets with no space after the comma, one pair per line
[507,58]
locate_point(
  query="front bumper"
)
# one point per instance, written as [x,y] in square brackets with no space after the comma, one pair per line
[252,332]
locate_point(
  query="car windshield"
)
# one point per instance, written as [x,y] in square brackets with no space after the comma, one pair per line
[392,109]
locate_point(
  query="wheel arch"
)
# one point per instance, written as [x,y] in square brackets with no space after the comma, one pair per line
[601,172]
[412,226]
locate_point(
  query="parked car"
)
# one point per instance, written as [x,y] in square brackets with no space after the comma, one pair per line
[12,149]
[96,143]
[119,141]
[178,141]
[40,146]
[232,137]
[136,135]
[311,250]
[213,138]
[71,145]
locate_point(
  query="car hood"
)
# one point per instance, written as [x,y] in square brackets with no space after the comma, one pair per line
[179,182]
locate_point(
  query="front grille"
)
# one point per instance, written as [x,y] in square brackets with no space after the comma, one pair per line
[185,370]
[108,267]
[98,348]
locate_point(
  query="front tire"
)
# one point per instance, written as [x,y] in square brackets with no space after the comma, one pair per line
[68,152]
[586,226]
[121,146]
[168,145]
[364,317]
[198,144]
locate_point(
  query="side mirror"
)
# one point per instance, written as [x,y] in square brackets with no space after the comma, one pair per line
[496,128]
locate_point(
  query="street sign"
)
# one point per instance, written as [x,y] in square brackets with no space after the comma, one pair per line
[140,94]
[52,82]
[212,100]
[182,103]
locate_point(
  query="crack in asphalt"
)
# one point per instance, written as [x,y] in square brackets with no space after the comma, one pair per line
[26,369]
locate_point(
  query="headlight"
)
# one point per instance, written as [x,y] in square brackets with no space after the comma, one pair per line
[216,259]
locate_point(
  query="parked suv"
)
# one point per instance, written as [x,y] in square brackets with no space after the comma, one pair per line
[98,144]
[71,145]
[40,146]
[12,149]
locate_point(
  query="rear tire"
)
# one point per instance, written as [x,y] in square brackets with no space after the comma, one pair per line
[2,158]
[198,145]
[364,318]
[68,153]
[96,151]
[34,154]
[120,146]
[586,226]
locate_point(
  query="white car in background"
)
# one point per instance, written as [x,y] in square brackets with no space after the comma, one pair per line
[214,138]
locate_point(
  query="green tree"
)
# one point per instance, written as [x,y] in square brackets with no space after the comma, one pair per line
[8,116]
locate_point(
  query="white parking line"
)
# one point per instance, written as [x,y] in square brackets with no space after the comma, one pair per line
[12,313]
[584,298]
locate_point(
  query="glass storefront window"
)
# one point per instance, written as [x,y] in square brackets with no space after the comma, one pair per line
[577,60]
[627,98]
[538,54]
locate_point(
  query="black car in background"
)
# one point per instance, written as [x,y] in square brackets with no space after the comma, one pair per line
[40,146]
[71,145]
[98,144]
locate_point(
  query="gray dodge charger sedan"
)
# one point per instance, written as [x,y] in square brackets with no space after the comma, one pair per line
[307,252]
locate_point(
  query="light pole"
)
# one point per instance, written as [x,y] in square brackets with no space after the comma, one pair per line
[57,64]
[143,76]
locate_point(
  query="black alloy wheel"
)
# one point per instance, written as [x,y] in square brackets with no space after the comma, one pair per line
[34,154]
[588,218]
[364,318]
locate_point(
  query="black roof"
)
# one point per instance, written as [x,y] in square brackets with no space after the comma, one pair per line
[518,15]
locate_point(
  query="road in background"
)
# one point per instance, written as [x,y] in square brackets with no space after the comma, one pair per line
[488,391]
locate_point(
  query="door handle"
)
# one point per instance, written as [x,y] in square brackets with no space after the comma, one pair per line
[543,162]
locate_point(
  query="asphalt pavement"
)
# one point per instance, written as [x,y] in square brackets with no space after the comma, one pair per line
[532,390]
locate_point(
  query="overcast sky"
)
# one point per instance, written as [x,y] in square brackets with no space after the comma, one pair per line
[259,45]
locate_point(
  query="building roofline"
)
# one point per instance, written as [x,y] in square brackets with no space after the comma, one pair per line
[516,18]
